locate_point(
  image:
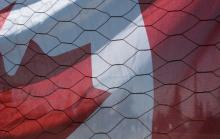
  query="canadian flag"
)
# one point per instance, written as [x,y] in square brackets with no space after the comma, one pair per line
[109,69]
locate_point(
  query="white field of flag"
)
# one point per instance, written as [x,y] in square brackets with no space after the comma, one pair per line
[121,60]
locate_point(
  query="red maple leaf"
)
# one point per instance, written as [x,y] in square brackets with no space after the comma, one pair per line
[48,97]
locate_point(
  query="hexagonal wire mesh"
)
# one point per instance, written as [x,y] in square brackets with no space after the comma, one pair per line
[86,69]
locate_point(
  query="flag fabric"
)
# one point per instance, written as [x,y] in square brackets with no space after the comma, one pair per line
[109,69]
[184,37]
